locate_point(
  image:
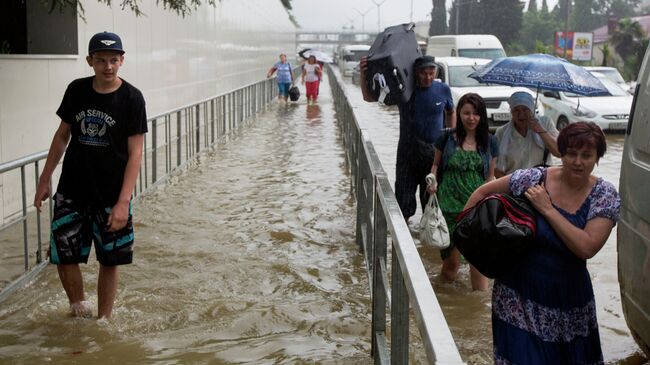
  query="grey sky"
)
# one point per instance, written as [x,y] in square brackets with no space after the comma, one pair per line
[334,14]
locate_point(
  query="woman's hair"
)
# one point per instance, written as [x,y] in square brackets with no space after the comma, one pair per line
[483,129]
[579,134]
[312,57]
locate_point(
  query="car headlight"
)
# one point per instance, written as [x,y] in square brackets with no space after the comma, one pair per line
[584,112]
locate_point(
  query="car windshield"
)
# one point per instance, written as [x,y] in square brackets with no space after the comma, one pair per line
[612,74]
[611,86]
[458,76]
[354,56]
[482,53]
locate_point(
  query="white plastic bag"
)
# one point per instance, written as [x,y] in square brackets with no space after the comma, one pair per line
[433,227]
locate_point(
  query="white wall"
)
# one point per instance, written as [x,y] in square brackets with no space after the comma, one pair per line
[174,61]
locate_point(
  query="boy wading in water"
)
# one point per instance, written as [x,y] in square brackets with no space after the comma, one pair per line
[103,122]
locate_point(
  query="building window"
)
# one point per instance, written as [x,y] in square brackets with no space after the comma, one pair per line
[35,27]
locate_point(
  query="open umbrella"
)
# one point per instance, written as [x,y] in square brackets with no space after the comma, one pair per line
[320,56]
[540,71]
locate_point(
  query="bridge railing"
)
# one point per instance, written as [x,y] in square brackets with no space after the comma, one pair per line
[379,218]
[175,138]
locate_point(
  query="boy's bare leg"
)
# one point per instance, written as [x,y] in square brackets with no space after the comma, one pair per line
[73,284]
[106,290]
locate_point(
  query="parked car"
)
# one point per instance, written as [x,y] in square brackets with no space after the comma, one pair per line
[610,113]
[454,72]
[613,74]
[349,56]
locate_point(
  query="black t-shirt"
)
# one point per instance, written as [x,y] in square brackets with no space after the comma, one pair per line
[95,160]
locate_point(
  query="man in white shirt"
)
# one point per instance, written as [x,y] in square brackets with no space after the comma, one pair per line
[524,140]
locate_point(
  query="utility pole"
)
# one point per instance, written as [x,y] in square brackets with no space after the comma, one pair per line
[363,17]
[378,3]
[566,28]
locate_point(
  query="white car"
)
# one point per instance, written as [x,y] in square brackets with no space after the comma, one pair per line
[613,74]
[454,71]
[610,113]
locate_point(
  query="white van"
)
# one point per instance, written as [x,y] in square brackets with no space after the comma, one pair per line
[465,45]
[633,232]
[349,56]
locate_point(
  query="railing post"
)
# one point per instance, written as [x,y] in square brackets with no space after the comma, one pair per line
[154,151]
[39,250]
[212,116]
[379,295]
[399,315]
[198,128]
[178,138]
[24,201]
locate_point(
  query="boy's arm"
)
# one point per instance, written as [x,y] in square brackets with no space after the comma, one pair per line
[57,149]
[120,212]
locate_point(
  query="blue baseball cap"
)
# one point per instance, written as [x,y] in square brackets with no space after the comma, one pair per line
[105,41]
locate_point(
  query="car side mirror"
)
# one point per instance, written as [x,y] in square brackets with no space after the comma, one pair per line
[551,94]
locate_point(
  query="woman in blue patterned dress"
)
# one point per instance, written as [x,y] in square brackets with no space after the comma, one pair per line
[464,160]
[543,309]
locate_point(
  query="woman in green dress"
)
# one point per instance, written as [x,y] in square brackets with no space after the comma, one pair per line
[464,160]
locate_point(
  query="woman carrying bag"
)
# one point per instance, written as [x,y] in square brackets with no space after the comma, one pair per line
[464,160]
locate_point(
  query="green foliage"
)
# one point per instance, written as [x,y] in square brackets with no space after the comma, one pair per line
[607,54]
[5,47]
[543,48]
[538,27]
[180,7]
[468,15]
[438,25]
[584,16]
[626,37]
[503,18]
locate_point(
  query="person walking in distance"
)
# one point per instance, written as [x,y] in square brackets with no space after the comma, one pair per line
[103,122]
[285,77]
[311,75]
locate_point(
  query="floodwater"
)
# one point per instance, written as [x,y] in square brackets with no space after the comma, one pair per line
[248,257]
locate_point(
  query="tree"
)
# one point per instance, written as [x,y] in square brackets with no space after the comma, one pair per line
[469,16]
[584,16]
[628,40]
[180,7]
[438,25]
[503,18]
[538,30]
[626,37]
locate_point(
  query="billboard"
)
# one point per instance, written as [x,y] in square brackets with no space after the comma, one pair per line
[578,45]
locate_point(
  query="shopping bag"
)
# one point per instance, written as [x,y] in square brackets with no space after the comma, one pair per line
[433,227]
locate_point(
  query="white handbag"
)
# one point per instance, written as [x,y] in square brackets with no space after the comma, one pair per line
[433,227]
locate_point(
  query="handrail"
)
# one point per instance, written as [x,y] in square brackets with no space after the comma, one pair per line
[378,216]
[175,139]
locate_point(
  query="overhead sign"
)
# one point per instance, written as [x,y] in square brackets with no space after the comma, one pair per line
[578,45]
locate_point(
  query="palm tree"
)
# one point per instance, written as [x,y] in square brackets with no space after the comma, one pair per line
[626,37]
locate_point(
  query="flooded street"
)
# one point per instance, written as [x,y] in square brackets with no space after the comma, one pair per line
[248,257]
[468,313]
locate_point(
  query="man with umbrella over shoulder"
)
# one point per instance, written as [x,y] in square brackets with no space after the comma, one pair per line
[525,141]
[422,120]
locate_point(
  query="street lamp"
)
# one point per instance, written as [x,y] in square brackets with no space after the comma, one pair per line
[378,3]
[363,18]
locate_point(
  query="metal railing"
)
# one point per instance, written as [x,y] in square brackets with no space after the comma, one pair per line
[378,217]
[175,138]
